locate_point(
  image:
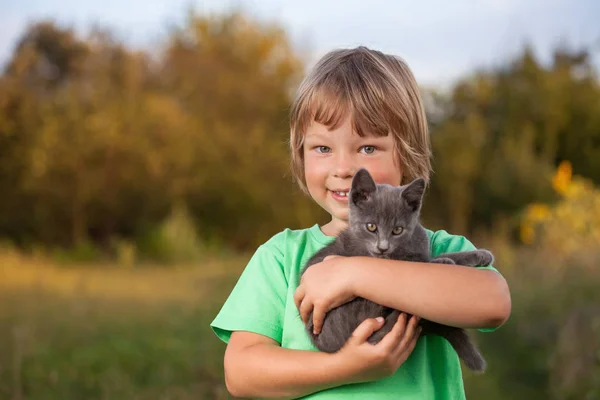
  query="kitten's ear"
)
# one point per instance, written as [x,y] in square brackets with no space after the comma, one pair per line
[363,187]
[413,193]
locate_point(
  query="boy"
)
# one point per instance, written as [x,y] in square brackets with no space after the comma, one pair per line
[358,108]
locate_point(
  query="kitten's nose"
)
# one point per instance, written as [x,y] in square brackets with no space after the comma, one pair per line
[382,247]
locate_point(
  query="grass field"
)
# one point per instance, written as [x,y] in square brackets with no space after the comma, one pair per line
[107,333]
[104,332]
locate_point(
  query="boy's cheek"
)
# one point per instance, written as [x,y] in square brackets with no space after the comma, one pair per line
[315,170]
[389,174]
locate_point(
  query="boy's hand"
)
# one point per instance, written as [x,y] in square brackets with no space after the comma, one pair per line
[368,362]
[324,286]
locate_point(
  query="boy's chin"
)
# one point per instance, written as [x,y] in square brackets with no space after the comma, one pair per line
[341,217]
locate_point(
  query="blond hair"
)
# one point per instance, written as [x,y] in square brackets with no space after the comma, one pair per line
[378,91]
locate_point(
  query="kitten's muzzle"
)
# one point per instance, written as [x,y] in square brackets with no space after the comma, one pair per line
[381,250]
[383,246]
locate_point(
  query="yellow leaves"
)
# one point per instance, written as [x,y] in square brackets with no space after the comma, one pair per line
[527,233]
[165,112]
[562,178]
[534,214]
[573,224]
[484,89]
[538,212]
[39,163]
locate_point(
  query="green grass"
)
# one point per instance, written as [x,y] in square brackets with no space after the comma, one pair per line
[107,333]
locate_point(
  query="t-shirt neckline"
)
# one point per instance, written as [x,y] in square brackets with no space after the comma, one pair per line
[319,236]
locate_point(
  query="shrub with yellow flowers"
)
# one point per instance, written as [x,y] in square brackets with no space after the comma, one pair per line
[570,225]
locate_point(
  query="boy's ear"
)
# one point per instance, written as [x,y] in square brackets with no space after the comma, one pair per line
[363,187]
[413,193]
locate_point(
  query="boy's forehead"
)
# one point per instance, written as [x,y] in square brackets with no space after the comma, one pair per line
[347,134]
[345,129]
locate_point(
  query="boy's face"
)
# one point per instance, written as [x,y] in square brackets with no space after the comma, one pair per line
[332,157]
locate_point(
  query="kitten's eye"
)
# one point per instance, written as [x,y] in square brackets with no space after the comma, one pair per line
[371,227]
[369,149]
[323,149]
[397,230]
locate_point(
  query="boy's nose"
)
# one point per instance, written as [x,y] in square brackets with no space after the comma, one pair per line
[344,168]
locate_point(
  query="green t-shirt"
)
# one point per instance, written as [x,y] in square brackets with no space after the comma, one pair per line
[262,302]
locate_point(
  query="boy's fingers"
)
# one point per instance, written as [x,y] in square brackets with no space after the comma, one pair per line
[413,325]
[403,353]
[318,317]
[366,329]
[305,309]
[298,296]
[393,337]
[411,329]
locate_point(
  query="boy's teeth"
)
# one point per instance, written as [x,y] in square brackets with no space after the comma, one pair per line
[341,193]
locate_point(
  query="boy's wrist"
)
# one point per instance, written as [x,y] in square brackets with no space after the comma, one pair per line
[355,275]
[338,371]
[347,369]
[342,370]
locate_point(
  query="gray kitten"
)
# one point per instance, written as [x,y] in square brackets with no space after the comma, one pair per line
[384,222]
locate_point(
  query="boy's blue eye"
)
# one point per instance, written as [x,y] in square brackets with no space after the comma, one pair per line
[369,149]
[323,149]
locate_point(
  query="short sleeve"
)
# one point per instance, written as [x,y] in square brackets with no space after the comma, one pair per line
[257,301]
[443,242]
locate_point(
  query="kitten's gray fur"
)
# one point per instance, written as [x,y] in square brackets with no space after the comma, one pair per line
[389,207]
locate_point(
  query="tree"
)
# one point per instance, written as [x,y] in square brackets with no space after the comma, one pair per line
[503,132]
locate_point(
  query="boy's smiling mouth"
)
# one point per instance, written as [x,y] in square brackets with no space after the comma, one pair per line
[340,195]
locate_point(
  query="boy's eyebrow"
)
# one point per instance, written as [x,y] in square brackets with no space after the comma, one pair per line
[357,139]
[316,136]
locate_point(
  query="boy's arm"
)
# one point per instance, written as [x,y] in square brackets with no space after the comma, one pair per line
[453,295]
[256,366]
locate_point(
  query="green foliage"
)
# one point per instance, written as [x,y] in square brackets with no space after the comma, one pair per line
[572,225]
[78,346]
[144,333]
[98,141]
[500,134]
[97,333]
[549,348]
[175,155]
[175,241]
[81,252]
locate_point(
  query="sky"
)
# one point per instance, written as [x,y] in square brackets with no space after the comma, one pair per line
[441,40]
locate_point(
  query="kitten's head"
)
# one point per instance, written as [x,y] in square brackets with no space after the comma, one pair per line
[384,217]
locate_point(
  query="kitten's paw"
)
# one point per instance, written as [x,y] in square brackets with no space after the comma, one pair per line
[443,260]
[485,257]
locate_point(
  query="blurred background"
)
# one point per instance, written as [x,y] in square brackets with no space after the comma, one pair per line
[143,157]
